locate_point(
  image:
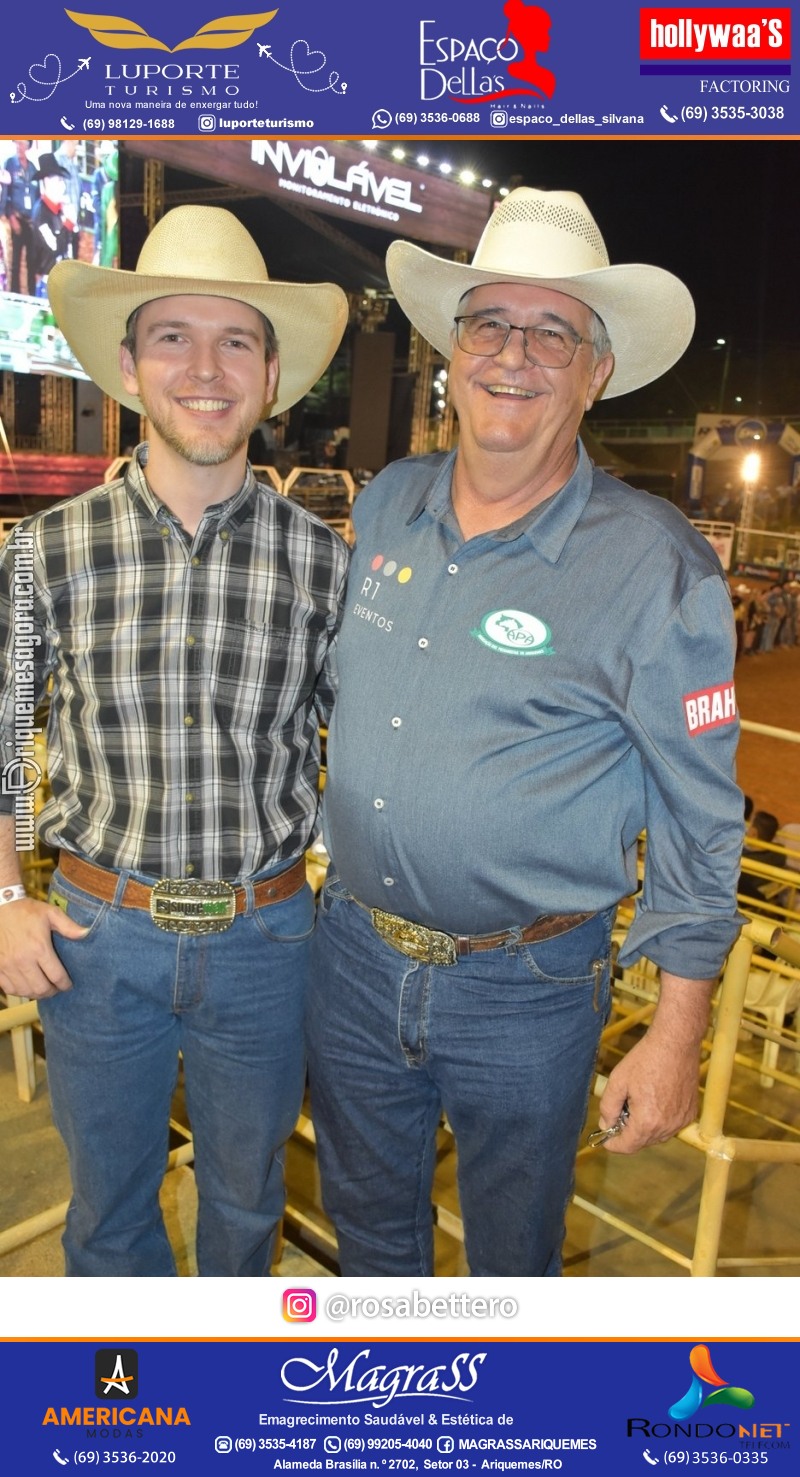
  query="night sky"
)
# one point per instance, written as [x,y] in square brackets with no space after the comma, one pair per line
[725,216]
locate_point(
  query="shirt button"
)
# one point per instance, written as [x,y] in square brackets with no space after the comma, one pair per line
[196,562]
[224,535]
[189,796]
[189,868]
[379,804]
[190,640]
[423,641]
[188,720]
[388,881]
[452,569]
[164,531]
[396,722]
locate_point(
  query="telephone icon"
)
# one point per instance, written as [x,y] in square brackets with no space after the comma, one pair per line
[665,113]
[653,1460]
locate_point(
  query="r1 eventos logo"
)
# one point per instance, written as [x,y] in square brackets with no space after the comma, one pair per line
[719,33]
[299,1305]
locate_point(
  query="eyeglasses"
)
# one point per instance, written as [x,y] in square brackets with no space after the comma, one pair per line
[550,346]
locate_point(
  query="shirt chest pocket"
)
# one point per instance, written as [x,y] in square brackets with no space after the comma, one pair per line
[270,669]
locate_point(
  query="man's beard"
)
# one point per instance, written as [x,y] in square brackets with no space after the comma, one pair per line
[202,448]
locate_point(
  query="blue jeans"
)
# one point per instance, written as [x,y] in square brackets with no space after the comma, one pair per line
[232,1004]
[503,1042]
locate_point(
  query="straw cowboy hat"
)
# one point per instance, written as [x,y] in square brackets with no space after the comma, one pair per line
[196,249]
[548,238]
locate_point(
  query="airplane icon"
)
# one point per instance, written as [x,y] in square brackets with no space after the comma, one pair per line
[83,62]
[263,50]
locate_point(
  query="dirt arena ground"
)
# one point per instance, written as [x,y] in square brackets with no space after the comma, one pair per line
[768,691]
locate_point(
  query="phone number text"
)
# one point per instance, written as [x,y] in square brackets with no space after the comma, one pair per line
[437,117]
[125,125]
[693,1458]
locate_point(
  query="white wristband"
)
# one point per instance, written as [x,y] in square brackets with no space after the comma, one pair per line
[13,894]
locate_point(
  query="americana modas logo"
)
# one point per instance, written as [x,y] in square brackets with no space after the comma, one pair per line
[116,1374]
[217,35]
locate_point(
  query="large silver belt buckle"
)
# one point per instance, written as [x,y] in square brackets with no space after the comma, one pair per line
[192,907]
[413,939]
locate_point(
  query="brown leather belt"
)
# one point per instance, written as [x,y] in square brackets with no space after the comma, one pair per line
[433,946]
[181,905]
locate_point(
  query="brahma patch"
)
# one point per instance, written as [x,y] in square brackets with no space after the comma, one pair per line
[711,707]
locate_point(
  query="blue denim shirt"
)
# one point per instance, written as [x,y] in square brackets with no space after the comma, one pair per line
[516,708]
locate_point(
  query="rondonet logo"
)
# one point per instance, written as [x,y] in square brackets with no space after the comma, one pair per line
[698,1393]
[719,33]
[514,632]
[127,35]
[361,1382]
[711,707]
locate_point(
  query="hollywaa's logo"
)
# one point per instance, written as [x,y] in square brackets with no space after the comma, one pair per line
[217,35]
[704,1374]
[527,36]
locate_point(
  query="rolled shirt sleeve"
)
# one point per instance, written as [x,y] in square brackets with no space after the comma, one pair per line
[681,717]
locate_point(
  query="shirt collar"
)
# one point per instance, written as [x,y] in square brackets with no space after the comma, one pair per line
[547,527]
[230,513]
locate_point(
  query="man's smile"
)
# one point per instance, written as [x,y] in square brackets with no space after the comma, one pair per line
[516,390]
[203,405]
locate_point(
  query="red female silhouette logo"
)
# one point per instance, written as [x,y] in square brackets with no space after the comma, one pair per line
[530,27]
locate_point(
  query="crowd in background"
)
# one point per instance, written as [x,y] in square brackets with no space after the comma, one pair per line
[766,619]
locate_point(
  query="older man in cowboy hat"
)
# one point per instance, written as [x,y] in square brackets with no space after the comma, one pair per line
[535,663]
[184,614]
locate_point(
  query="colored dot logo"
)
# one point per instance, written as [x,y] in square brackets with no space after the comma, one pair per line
[388,567]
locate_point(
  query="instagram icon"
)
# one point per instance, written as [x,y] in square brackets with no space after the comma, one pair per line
[299,1305]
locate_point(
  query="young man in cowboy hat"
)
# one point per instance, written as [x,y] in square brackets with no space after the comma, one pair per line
[535,663]
[184,613]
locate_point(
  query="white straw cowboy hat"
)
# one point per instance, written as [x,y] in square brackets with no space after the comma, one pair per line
[548,238]
[202,250]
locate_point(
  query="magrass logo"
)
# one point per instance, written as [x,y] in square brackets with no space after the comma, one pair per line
[703,1375]
[116,1374]
[216,35]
